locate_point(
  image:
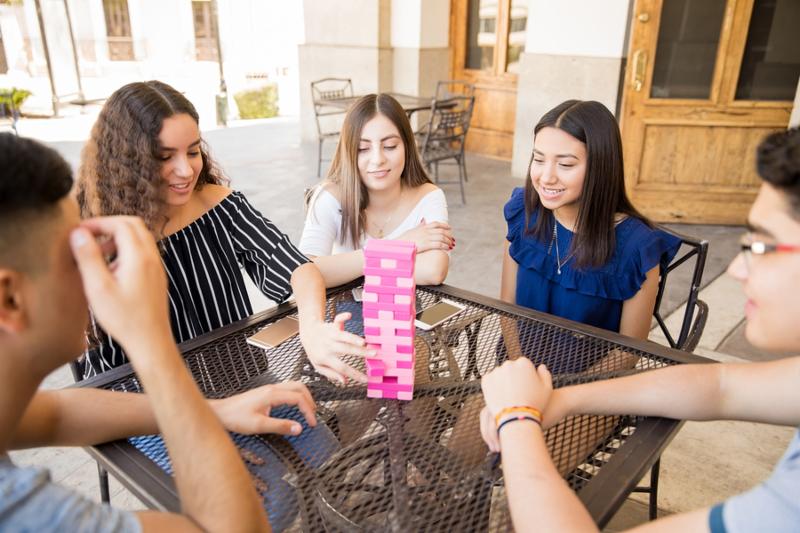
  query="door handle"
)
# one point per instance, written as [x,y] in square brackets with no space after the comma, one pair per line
[639,69]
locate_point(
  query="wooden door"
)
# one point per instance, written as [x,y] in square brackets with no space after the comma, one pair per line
[706,80]
[487,38]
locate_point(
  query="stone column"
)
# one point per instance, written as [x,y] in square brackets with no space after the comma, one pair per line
[574,49]
[344,40]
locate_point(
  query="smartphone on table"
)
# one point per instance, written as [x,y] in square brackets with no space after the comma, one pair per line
[276,333]
[432,316]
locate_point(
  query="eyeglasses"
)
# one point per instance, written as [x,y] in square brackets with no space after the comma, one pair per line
[751,247]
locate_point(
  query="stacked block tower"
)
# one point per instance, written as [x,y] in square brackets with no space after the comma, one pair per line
[389,309]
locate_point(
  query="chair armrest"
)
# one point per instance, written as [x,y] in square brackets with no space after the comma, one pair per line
[696,332]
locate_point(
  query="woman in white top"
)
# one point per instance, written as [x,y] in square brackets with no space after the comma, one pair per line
[377,188]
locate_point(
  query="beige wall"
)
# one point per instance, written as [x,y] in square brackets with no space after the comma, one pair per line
[382,45]
[794,120]
[582,60]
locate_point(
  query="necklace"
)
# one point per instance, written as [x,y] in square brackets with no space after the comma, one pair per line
[389,218]
[559,263]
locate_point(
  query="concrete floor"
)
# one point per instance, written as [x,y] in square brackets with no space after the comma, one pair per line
[272,167]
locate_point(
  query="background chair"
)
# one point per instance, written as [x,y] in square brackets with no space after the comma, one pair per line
[448,88]
[693,323]
[322,91]
[445,135]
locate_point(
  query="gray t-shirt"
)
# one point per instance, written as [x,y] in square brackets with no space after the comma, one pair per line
[29,501]
[774,505]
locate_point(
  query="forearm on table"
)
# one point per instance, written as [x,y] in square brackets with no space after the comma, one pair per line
[214,487]
[683,392]
[539,498]
[340,268]
[309,293]
[431,267]
[83,417]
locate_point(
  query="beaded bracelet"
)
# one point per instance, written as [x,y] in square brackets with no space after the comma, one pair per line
[514,419]
[532,411]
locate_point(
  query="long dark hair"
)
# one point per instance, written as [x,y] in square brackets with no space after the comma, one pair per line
[344,168]
[120,170]
[603,195]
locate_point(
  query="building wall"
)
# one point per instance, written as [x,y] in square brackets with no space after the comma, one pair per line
[382,45]
[259,41]
[574,49]
[794,120]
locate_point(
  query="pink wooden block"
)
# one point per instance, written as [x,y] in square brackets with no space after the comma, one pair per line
[390,340]
[389,289]
[385,273]
[403,375]
[388,263]
[372,280]
[390,387]
[400,298]
[404,282]
[374,393]
[375,367]
[379,323]
[387,298]
[391,307]
[389,394]
[370,296]
[403,395]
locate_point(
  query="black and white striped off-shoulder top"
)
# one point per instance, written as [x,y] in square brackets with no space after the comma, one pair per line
[203,264]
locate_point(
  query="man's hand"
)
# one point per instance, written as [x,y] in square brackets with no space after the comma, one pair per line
[248,412]
[129,296]
[513,384]
[326,342]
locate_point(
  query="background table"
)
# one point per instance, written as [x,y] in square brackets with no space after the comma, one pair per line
[407,466]
[411,104]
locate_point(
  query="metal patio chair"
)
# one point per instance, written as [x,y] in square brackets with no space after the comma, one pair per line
[445,135]
[322,91]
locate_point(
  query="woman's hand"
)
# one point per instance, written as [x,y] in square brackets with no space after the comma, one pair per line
[249,412]
[431,236]
[513,384]
[326,342]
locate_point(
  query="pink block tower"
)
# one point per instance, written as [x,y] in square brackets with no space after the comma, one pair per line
[389,309]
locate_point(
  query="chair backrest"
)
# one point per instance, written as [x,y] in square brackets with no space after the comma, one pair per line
[448,88]
[449,123]
[329,89]
[696,311]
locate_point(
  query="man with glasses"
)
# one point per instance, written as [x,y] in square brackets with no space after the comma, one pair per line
[768,392]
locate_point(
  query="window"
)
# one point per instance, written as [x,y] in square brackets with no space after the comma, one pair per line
[771,62]
[118,30]
[495,34]
[205,31]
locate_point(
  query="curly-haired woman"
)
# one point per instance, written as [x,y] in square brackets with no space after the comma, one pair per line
[146,158]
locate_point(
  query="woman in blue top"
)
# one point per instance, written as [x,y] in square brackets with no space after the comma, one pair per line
[576,247]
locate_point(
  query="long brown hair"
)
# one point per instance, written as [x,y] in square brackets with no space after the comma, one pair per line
[603,194]
[120,171]
[344,173]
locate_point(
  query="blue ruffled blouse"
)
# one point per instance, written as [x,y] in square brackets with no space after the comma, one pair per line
[592,296]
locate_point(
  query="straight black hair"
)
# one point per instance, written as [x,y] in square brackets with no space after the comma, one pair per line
[603,195]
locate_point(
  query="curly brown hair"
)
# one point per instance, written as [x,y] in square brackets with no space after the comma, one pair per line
[120,170]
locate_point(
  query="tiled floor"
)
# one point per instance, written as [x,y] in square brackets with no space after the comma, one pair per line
[272,167]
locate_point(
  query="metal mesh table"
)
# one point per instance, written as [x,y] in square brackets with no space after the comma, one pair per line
[388,465]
